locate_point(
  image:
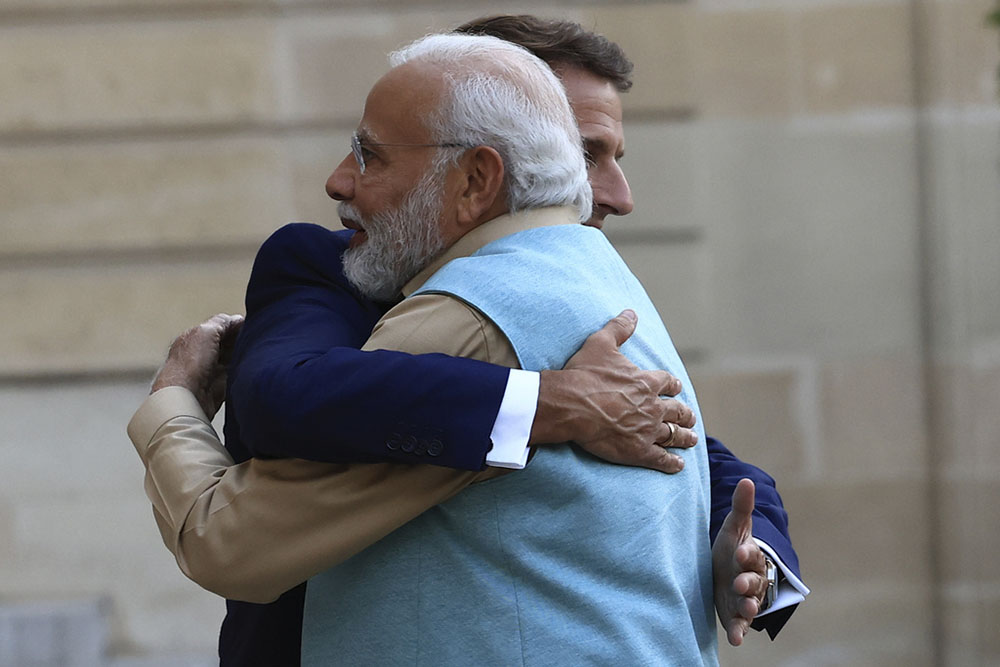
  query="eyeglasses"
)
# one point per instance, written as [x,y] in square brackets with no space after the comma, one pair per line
[357,148]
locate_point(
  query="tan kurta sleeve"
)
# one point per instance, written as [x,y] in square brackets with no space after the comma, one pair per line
[252,531]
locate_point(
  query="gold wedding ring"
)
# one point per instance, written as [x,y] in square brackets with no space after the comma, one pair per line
[670,438]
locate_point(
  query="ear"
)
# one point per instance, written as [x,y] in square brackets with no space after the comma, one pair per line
[481,195]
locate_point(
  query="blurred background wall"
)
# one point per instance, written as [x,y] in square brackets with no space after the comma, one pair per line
[817,209]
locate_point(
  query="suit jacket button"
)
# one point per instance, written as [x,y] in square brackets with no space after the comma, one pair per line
[393,441]
[421,447]
[409,444]
[435,447]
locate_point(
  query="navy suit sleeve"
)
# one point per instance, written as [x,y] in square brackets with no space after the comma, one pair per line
[770,521]
[300,387]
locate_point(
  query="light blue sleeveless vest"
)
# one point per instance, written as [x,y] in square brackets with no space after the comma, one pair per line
[571,561]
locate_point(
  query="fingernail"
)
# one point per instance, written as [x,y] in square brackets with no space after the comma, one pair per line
[630,314]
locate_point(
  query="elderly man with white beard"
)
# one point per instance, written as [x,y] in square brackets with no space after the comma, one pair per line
[468,200]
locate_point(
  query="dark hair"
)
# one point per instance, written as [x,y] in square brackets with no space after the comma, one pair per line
[559,42]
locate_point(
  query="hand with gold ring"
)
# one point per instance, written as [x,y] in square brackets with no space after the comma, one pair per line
[611,408]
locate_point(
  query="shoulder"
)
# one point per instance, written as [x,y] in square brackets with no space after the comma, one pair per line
[299,255]
[305,243]
[441,323]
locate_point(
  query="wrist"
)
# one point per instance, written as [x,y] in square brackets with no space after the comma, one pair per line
[552,420]
[169,376]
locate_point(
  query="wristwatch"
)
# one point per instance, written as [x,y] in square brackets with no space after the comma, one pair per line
[771,572]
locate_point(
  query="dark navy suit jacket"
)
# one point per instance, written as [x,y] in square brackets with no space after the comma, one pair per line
[300,387]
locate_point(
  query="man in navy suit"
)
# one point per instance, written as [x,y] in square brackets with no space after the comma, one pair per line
[287,402]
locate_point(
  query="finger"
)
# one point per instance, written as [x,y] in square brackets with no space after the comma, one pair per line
[748,608]
[684,438]
[228,337]
[653,457]
[222,324]
[736,630]
[621,327]
[663,382]
[751,585]
[743,497]
[235,322]
[750,558]
[664,461]
[678,413]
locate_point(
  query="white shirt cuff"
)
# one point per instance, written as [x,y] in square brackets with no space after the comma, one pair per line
[512,428]
[791,590]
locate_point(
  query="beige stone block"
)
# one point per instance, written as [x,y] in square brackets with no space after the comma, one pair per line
[744,62]
[446,15]
[108,545]
[85,542]
[961,52]
[980,411]
[949,389]
[970,636]
[49,6]
[178,622]
[660,165]
[660,39]
[858,533]
[121,315]
[674,277]
[857,56]
[963,209]
[965,397]
[6,530]
[872,419]
[83,452]
[755,414]
[970,538]
[812,241]
[84,76]
[184,193]
[332,61]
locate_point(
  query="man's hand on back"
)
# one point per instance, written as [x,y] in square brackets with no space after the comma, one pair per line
[197,361]
[611,408]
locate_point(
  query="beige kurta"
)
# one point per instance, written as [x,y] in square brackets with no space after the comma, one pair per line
[254,530]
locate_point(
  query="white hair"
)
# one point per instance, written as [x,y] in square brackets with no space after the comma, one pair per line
[498,94]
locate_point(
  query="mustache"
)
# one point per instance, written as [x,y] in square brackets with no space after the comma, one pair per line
[346,210]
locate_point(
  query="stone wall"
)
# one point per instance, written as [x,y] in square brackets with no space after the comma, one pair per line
[817,204]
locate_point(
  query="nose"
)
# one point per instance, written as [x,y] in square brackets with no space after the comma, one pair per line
[612,193]
[340,185]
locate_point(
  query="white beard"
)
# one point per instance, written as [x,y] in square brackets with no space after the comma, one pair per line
[400,242]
